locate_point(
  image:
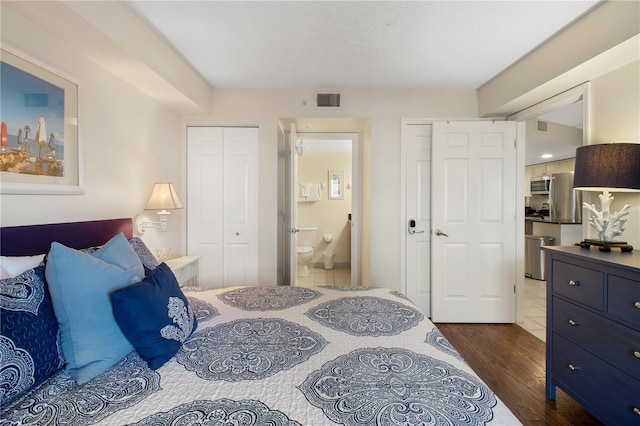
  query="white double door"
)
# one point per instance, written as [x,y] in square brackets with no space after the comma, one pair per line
[461,191]
[222,204]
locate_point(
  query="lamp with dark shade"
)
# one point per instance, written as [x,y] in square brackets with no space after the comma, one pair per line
[605,167]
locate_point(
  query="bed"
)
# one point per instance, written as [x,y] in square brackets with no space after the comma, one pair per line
[255,355]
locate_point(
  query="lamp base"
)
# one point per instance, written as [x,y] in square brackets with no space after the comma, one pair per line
[606,246]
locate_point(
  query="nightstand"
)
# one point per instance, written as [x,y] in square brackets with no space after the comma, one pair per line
[186,270]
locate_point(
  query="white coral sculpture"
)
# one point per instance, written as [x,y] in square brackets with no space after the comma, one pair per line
[606,224]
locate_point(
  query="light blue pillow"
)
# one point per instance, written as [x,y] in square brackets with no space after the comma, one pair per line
[80,285]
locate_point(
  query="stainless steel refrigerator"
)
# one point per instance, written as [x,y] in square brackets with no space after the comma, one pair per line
[565,203]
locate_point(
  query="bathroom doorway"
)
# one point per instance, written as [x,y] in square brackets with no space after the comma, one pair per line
[324,199]
[359,131]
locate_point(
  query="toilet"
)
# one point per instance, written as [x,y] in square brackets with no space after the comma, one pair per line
[304,249]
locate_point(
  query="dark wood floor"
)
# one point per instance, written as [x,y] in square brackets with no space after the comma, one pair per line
[511,361]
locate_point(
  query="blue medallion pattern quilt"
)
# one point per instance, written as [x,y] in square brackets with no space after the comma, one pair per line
[394,386]
[366,315]
[268,298]
[283,356]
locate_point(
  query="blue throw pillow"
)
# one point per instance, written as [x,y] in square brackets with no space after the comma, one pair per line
[155,316]
[29,334]
[80,285]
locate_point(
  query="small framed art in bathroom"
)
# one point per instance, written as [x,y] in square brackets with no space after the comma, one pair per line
[336,185]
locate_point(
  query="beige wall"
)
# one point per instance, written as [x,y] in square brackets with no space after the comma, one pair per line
[615,108]
[128,141]
[380,154]
[555,133]
[329,216]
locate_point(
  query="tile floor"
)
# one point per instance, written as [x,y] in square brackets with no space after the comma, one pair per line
[332,277]
[535,308]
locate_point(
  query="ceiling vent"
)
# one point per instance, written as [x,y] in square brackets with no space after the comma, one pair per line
[328,100]
[542,126]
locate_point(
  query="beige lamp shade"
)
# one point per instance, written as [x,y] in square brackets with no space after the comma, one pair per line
[163,197]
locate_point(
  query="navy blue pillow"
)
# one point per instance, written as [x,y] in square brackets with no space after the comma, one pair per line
[146,257]
[154,315]
[29,334]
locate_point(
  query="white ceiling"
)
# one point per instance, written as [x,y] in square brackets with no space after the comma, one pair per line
[572,115]
[356,44]
[363,44]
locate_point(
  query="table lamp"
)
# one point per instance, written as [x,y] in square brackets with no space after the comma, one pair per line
[604,167]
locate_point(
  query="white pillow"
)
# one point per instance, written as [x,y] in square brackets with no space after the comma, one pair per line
[15,265]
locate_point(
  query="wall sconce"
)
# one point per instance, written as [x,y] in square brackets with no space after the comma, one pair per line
[162,198]
[602,167]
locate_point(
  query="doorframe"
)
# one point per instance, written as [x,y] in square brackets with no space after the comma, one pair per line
[557,101]
[560,100]
[356,194]
[402,226]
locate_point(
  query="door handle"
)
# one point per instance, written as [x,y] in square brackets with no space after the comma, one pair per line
[412,228]
[440,233]
[292,230]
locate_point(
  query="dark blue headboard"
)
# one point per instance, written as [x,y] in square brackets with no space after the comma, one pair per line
[37,239]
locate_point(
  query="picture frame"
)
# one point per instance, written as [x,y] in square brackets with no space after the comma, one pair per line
[336,185]
[40,149]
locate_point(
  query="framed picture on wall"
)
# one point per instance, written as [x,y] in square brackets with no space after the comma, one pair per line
[39,150]
[336,184]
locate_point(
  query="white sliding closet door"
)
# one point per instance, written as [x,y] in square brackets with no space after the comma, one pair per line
[222,204]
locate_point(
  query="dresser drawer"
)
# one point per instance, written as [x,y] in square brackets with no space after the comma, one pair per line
[580,284]
[624,299]
[613,342]
[606,391]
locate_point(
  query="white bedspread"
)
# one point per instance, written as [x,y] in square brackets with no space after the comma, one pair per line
[265,355]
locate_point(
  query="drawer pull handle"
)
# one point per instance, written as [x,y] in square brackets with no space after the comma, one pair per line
[573,367]
[573,283]
[636,410]
[636,354]
[637,305]
[572,323]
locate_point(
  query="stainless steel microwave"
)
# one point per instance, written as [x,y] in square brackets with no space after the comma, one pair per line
[540,185]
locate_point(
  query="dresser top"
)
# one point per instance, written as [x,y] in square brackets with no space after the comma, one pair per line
[614,257]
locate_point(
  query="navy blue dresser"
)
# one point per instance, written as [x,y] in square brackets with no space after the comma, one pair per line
[593,330]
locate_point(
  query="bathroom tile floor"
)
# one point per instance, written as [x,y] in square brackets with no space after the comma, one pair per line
[331,277]
[535,308]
